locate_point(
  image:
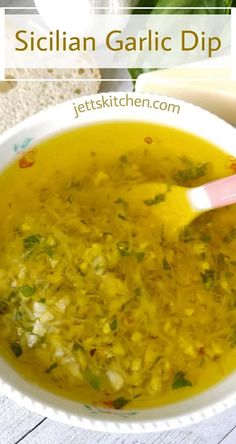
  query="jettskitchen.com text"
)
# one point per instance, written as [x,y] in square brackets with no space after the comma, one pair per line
[122,102]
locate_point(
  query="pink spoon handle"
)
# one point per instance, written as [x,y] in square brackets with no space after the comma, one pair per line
[221,192]
[216,194]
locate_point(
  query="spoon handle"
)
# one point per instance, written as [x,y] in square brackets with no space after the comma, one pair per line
[216,194]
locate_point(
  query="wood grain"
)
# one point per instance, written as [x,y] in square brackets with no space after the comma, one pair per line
[15,421]
[16,3]
[230,438]
[210,431]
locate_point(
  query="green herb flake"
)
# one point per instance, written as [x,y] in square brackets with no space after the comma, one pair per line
[228,238]
[52,367]
[203,255]
[49,251]
[113,324]
[140,256]
[16,349]
[208,279]
[122,217]
[229,274]
[137,291]
[119,200]
[232,338]
[31,241]
[156,200]
[81,272]
[187,235]
[78,346]
[3,307]
[27,291]
[122,201]
[191,173]
[42,300]
[124,159]
[221,258]
[166,264]
[137,396]
[18,316]
[206,238]
[135,72]
[75,184]
[92,379]
[119,403]
[186,160]
[180,381]
[123,248]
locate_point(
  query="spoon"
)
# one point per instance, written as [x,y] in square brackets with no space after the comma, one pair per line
[174,206]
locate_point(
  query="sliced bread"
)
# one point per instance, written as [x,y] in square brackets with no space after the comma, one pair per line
[20,99]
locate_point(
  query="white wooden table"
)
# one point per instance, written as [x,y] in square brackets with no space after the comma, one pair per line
[18,425]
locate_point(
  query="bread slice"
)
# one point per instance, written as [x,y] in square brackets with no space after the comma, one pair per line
[21,99]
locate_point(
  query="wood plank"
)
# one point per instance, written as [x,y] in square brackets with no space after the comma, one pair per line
[210,431]
[17,3]
[15,421]
[230,438]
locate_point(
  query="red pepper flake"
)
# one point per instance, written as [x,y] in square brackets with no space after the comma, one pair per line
[107,404]
[128,320]
[92,352]
[201,351]
[28,160]
[148,140]
[232,164]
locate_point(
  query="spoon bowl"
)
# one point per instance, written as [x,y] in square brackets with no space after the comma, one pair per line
[172,207]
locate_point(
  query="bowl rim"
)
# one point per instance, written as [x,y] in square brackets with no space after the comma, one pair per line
[12,384]
[62,111]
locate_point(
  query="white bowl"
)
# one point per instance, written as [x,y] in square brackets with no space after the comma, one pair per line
[189,118]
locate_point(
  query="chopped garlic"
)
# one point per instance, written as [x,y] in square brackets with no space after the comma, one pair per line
[214,351]
[136,364]
[98,265]
[59,353]
[74,369]
[25,227]
[118,349]
[68,360]
[100,178]
[46,317]
[189,311]
[115,379]
[155,385]
[39,329]
[53,263]
[31,339]
[51,241]
[62,304]
[38,309]
[106,328]
[136,336]
[21,274]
